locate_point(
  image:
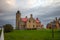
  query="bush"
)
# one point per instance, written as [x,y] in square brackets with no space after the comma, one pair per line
[8,28]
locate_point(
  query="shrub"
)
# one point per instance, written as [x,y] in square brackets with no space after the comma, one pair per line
[8,28]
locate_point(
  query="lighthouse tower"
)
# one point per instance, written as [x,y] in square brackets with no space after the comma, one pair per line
[18,18]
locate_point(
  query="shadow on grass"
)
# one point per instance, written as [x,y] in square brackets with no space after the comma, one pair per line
[0,32]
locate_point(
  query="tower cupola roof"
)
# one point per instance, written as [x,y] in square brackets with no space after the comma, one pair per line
[18,12]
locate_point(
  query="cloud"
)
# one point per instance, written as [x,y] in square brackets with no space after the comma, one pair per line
[45,10]
[10,5]
[7,5]
[28,4]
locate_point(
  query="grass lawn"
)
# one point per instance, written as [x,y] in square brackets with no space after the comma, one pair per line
[32,35]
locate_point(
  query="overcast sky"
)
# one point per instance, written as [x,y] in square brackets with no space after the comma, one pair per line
[45,10]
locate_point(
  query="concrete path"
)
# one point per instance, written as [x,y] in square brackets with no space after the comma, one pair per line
[2,35]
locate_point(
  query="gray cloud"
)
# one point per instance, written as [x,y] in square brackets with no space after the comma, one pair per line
[45,14]
[44,11]
[7,5]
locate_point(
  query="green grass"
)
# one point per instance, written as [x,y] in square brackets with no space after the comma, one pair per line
[32,35]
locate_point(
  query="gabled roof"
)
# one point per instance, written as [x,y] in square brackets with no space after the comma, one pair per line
[24,19]
[37,20]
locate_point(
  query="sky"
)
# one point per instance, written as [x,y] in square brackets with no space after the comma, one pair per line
[45,10]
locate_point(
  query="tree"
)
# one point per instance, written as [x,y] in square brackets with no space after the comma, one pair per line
[8,28]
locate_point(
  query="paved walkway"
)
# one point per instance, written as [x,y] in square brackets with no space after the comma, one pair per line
[2,35]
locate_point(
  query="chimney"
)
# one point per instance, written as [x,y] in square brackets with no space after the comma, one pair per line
[31,15]
[26,17]
[56,18]
[36,18]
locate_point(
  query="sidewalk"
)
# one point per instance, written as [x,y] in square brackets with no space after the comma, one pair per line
[2,35]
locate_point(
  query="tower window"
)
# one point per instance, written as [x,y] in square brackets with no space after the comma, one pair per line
[33,25]
[29,20]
